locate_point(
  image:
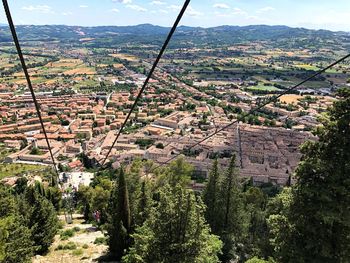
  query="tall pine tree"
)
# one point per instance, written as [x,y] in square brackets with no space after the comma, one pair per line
[230,217]
[143,204]
[119,218]
[210,197]
[16,245]
[43,223]
[175,231]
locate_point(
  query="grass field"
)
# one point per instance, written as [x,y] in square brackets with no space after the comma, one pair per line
[87,83]
[263,87]
[13,169]
[307,67]
[125,56]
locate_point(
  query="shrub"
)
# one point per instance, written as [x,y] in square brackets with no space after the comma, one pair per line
[68,246]
[77,252]
[61,224]
[100,241]
[67,234]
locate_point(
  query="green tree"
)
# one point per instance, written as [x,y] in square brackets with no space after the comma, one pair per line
[317,224]
[54,195]
[119,221]
[175,231]
[133,180]
[279,227]
[230,217]
[256,240]
[210,197]
[144,204]
[15,236]
[178,171]
[16,245]
[84,197]
[43,223]
[100,197]
[258,260]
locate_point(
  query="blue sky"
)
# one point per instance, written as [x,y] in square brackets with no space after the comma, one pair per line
[333,15]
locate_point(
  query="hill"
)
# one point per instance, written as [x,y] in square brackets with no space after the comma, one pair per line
[184,36]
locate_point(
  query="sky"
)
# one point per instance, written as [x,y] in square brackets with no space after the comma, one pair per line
[315,14]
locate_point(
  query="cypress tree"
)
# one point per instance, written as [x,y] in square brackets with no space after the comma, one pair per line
[39,188]
[144,203]
[119,213]
[210,197]
[43,223]
[230,217]
[133,181]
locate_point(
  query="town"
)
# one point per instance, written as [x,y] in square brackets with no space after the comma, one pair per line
[85,94]
[186,144]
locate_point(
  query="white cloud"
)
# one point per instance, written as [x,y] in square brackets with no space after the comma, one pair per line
[219,14]
[192,12]
[253,18]
[137,8]
[38,8]
[163,11]
[221,6]
[265,9]
[123,1]
[67,13]
[174,7]
[115,10]
[235,12]
[156,2]
[83,6]
[238,11]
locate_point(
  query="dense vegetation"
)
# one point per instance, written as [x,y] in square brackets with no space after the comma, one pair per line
[28,220]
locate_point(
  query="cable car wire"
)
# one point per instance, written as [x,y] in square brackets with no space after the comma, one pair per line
[273,99]
[25,70]
[177,21]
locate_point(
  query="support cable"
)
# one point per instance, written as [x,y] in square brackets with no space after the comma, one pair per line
[177,21]
[273,99]
[25,70]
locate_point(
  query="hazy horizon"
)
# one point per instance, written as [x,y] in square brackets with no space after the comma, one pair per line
[311,14]
[134,25]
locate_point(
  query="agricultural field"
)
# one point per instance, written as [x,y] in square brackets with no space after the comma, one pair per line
[125,56]
[13,169]
[263,87]
[290,98]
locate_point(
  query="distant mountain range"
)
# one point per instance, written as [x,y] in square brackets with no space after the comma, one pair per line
[147,33]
